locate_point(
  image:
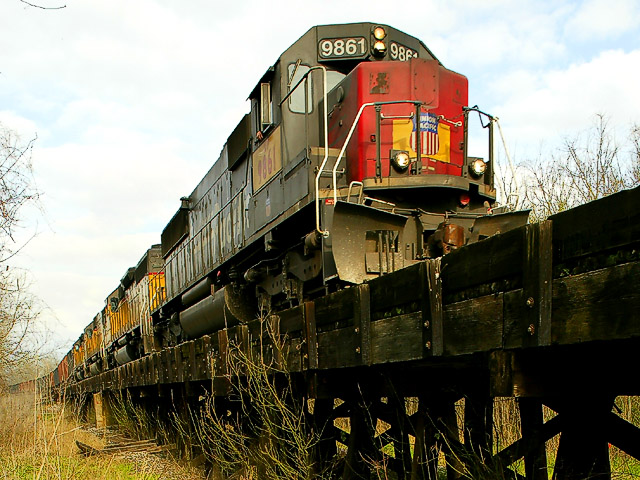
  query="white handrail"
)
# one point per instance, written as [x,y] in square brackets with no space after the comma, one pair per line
[346,142]
[326,135]
[326,150]
[334,172]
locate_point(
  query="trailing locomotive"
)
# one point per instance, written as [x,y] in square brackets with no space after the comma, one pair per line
[352,163]
[122,331]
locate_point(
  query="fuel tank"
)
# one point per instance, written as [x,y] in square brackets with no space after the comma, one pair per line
[125,354]
[226,307]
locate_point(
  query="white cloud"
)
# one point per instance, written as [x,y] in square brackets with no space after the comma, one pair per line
[545,105]
[19,124]
[599,19]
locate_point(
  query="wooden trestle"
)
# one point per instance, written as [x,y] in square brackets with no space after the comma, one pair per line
[548,313]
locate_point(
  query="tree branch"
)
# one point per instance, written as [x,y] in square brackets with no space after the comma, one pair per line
[43,8]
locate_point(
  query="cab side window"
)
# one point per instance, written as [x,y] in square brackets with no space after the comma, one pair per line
[266,106]
[297,99]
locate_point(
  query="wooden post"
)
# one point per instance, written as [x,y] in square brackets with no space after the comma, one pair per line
[419,451]
[102,406]
[583,451]
[478,422]
[432,314]
[322,420]
[429,439]
[446,423]
[531,421]
[361,452]
[400,429]
[537,284]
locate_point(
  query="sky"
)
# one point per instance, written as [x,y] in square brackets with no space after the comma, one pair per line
[131,103]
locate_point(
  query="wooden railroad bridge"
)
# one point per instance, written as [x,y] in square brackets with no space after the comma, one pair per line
[548,313]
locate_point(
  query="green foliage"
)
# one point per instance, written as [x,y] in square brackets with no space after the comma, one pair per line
[69,467]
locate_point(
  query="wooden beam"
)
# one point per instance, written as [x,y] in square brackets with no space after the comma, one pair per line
[531,422]
[473,325]
[537,284]
[362,322]
[606,224]
[599,305]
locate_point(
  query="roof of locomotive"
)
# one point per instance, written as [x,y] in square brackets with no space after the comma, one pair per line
[393,34]
[309,44]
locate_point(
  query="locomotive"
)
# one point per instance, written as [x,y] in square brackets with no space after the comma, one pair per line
[352,163]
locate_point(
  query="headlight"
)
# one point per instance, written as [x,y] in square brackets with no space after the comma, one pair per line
[379,48]
[477,167]
[379,33]
[400,161]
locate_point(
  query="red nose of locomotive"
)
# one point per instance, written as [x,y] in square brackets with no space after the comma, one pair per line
[391,131]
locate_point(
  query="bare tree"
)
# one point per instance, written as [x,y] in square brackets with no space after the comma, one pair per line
[19,338]
[593,164]
[635,153]
[17,187]
[41,7]
[588,166]
[547,190]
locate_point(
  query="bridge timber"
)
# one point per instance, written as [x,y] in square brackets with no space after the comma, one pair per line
[547,313]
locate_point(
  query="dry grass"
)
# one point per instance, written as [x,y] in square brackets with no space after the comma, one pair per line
[37,442]
[261,431]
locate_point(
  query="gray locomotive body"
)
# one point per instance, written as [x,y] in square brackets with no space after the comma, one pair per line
[293,207]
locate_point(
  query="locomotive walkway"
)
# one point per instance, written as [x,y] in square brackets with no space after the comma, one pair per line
[547,313]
